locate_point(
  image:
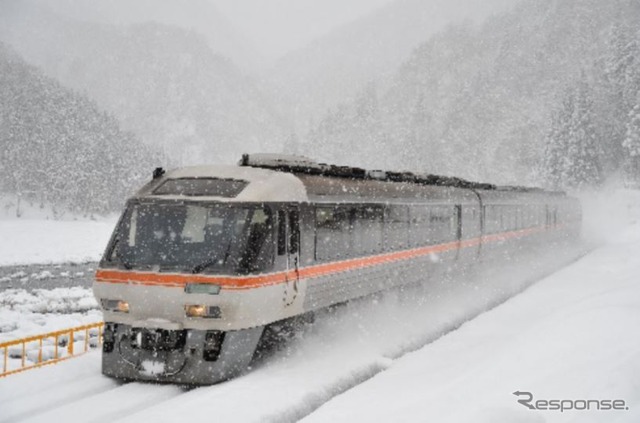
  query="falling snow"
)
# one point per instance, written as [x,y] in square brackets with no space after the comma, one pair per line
[96,94]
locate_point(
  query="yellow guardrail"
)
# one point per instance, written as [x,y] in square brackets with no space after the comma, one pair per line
[49,348]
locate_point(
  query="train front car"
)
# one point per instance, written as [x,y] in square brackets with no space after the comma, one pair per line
[193,272]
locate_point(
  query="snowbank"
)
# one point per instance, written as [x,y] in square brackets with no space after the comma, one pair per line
[608,211]
[572,336]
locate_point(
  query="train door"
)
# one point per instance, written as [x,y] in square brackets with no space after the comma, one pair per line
[289,246]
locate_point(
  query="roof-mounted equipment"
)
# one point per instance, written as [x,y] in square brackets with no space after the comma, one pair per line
[158,172]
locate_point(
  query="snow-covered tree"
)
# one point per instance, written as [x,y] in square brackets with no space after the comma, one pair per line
[632,144]
[552,159]
[572,151]
[620,69]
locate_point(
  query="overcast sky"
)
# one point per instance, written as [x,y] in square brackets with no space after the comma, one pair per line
[276,27]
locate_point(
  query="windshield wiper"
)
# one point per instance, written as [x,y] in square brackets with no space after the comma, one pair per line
[200,267]
[125,263]
[121,259]
[212,260]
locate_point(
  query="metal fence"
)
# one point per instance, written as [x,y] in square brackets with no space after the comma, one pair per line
[49,348]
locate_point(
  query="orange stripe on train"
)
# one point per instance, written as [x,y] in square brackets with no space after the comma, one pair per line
[179,280]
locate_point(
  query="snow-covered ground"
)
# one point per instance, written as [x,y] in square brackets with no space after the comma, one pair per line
[26,241]
[47,276]
[572,336]
[413,355]
[24,313]
[36,237]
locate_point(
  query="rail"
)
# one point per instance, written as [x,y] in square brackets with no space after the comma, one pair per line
[40,350]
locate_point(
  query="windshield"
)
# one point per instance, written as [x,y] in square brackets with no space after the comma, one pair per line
[210,238]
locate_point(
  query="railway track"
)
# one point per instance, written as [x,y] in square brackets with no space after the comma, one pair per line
[76,391]
[110,403]
[47,276]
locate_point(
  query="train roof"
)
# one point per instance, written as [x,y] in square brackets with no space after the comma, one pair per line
[280,178]
[225,183]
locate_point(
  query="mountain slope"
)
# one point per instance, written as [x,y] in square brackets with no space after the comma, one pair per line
[336,66]
[57,148]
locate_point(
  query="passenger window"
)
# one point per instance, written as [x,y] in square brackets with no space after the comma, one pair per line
[367,229]
[442,226]
[493,219]
[333,232]
[396,222]
[419,234]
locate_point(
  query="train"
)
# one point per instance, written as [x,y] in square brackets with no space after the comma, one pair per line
[204,258]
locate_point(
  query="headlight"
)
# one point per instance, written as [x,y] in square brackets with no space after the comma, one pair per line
[210,312]
[115,305]
[202,288]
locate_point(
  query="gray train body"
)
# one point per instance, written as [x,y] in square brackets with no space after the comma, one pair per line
[204,258]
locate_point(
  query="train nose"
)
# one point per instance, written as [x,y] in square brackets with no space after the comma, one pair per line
[155,304]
